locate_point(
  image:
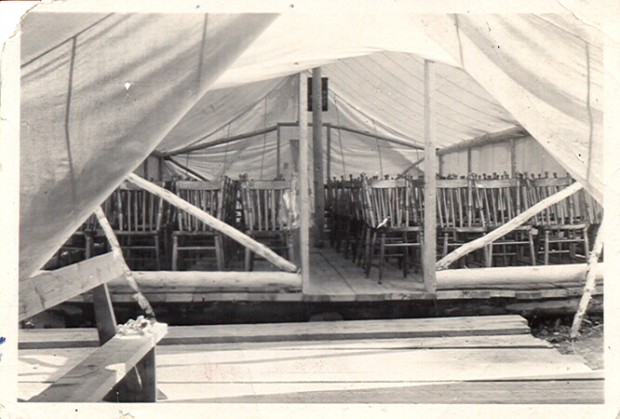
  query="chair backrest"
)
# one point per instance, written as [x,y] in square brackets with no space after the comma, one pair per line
[500,200]
[458,205]
[206,195]
[266,205]
[388,199]
[136,209]
[561,213]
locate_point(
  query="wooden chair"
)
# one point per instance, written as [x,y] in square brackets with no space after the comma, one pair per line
[501,202]
[268,216]
[190,235]
[138,226]
[389,218]
[460,214]
[562,230]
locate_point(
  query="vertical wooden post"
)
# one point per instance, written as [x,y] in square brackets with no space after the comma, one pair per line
[329,153]
[317,156]
[513,158]
[468,160]
[161,169]
[429,256]
[304,186]
[440,163]
[278,147]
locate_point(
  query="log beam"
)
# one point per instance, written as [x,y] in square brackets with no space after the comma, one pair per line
[49,288]
[214,223]
[490,138]
[508,227]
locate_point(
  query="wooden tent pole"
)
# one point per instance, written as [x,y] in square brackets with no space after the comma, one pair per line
[278,150]
[513,158]
[429,255]
[214,223]
[317,160]
[507,227]
[329,154]
[590,284]
[118,254]
[304,186]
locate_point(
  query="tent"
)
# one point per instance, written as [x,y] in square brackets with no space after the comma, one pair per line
[102,91]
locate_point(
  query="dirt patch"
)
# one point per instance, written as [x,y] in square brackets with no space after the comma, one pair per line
[589,345]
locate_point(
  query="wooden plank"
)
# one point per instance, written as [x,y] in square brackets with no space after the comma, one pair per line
[94,377]
[214,223]
[87,337]
[430,182]
[50,288]
[304,185]
[376,329]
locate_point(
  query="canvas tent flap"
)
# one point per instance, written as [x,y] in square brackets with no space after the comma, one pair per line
[94,105]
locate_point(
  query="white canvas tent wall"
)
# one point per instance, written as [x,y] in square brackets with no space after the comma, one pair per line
[94,106]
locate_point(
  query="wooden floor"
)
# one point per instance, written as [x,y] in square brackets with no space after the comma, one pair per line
[491,359]
[336,279]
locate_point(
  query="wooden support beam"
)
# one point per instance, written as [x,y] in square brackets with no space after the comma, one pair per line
[378,137]
[590,284]
[413,165]
[317,158]
[505,276]
[499,232]
[304,186]
[187,169]
[469,168]
[490,138]
[329,153]
[513,158]
[166,280]
[429,250]
[95,376]
[214,223]
[162,166]
[220,141]
[50,288]
[278,150]
[118,254]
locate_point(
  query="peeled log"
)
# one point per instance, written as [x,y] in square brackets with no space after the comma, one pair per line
[500,232]
[214,223]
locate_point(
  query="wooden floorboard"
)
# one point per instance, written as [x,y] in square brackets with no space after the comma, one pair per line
[490,359]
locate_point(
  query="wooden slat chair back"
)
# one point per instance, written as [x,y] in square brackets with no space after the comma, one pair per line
[460,214]
[268,215]
[501,201]
[192,237]
[388,215]
[138,225]
[564,230]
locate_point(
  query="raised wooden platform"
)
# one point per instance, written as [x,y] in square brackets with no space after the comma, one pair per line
[490,359]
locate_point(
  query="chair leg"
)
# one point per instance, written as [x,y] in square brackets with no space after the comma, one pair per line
[219,252]
[248,259]
[546,248]
[405,255]
[157,253]
[175,252]
[370,252]
[381,256]
[532,247]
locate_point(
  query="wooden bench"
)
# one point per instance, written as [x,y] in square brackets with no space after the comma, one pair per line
[93,378]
